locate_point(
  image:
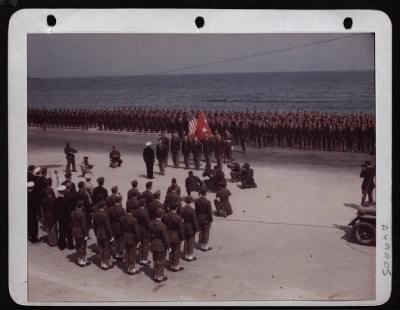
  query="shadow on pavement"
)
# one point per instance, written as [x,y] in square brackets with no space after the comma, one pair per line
[351,205]
[348,233]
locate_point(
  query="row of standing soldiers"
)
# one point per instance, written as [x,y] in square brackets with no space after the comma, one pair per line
[300,129]
[146,224]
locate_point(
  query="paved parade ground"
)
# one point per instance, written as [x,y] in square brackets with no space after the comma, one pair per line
[286,240]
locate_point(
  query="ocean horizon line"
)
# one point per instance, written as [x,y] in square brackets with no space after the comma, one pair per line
[193,74]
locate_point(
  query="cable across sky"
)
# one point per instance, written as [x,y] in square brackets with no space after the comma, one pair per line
[251,55]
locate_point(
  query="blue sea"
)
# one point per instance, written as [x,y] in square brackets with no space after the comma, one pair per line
[342,92]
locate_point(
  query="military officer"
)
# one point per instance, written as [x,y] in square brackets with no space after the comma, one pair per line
[160,245]
[80,233]
[149,157]
[143,218]
[104,235]
[162,156]
[190,227]
[205,218]
[223,205]
[70,156]
[174,224]
[175,149]
[115,213]
[131,239]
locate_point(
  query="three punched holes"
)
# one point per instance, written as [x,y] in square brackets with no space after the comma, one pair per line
[199,22]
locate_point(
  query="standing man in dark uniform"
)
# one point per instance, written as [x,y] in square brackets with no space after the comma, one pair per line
[116,212]
[143,218]
[99,190]
[186,150]
[81,195]
[80,233]
[196,150]
[174,224]
[175,149]
[64,206]
[228,146]
[162,156]
[130,232]
[134,191]
[368,184]
[103,231]
[149,158]
[160,245]
[154,205]
[205,217]
[165,141]
[70,156]
[190,228]
[147,194]
[219,150]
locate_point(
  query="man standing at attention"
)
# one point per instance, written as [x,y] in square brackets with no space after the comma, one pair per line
[205,217]
[149,157]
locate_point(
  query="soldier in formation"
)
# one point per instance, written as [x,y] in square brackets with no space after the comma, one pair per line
[301,129]
[146,224]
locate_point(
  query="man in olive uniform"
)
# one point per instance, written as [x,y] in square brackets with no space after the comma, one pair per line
[172,199]
[149,158]
[154,205]
[174,186]
[115,213]
[82,195]
[228,146]
[103,232]
[247,177]
[64,206]
[85,166]
[197,148]
[368,184]
[134,191]
[205,218]
[147,194]
[162,156]
[70,156]
[186,150]
[68,179]
[133,202]
[175,149]
[160,245]
[49,215]
[143,218]
[174,224]
[115,158]
[190,228]
[80,233]
[223,205]
[131,238]
[193,183]
[219,150]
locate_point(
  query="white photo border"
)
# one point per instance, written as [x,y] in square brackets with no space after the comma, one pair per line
[161,21]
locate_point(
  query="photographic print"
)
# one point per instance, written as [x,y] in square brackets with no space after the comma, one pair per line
[223,167]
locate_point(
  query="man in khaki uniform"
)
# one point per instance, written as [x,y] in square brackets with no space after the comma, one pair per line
[115,213]
[131,237]
[80,233]
[190,228]
[103,231]
[205,217]
[143,218]
[174,224]
[160,245]
[223,205]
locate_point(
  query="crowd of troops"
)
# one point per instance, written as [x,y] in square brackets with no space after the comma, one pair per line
[300,129]
[146,223]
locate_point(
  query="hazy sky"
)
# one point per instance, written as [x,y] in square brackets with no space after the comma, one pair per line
[70,55]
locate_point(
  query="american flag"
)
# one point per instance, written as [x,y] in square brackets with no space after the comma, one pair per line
[192,125]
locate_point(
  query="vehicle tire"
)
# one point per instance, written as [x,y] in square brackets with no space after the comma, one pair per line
[364,233]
